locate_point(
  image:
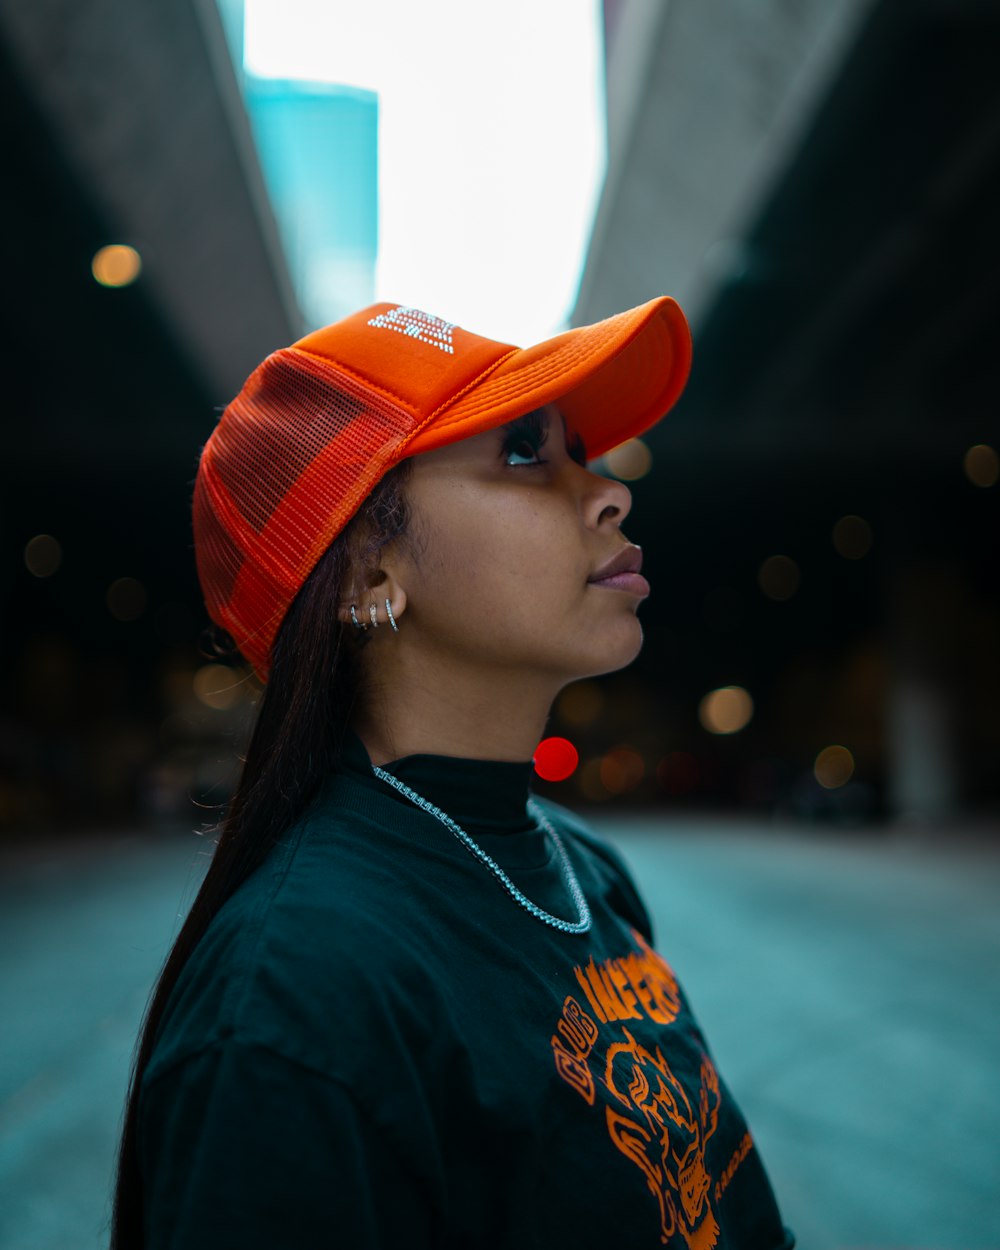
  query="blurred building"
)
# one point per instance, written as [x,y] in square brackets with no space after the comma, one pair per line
[123,127]
[813,182]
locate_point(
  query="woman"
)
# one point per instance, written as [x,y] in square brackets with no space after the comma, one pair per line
[412,1004]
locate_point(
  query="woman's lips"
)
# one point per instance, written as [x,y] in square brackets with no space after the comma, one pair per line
[634,583]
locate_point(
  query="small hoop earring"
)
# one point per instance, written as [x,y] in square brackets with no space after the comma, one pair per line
[372,614]
[354,618]
[392,619]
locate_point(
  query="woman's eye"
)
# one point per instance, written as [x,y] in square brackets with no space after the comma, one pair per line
[527,453]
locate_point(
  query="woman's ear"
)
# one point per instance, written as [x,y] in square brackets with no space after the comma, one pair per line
[384,587]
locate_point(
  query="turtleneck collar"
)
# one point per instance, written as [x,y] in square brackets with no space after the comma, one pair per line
[486,795]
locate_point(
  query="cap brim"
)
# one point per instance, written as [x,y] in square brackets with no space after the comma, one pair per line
[611,380]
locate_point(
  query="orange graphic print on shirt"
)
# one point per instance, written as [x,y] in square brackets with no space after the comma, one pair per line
[659,1124]
[664,1136]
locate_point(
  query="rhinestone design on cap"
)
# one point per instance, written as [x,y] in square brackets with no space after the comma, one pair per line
[417,325]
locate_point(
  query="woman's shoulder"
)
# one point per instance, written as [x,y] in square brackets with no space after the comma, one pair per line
[304,955]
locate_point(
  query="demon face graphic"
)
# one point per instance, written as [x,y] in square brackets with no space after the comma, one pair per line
[653,1124]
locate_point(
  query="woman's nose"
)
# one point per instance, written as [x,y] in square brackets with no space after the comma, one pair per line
[605,499]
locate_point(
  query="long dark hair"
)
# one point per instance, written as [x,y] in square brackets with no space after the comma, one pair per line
[314,684]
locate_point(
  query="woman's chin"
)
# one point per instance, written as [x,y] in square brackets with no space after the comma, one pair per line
[620,655]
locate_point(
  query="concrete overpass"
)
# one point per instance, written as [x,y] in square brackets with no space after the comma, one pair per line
[814,182]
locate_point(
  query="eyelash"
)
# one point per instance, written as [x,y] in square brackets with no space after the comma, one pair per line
[521,436]
[520,439]
[526,436]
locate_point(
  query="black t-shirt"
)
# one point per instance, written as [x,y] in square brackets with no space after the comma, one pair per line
[375,1045]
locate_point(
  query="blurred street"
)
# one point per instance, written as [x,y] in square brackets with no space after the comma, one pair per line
[847,985]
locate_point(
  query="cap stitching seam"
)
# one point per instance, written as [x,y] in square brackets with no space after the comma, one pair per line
[551,369]
[474,382]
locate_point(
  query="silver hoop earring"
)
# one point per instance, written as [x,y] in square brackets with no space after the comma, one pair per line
[392,619]
[373,615]
[354,618]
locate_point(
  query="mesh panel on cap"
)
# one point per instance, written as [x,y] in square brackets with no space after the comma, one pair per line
[218,558]
[285,469]
[273,429]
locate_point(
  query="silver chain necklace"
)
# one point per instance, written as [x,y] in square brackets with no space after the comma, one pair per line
[566,926]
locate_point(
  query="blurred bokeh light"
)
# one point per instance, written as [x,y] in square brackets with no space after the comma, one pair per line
[852,537]
[726,710]
[630,460]
[834,767]
[982,465]
[678,773]
[779,577]
[43,555]
[589,784]
[116,264]
[218,686]
[126,599]
[621,770]
[581,703]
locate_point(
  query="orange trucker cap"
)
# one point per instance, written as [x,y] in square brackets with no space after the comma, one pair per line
[318,424]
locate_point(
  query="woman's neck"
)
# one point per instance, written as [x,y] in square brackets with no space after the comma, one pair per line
[490,729]
[487,795]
